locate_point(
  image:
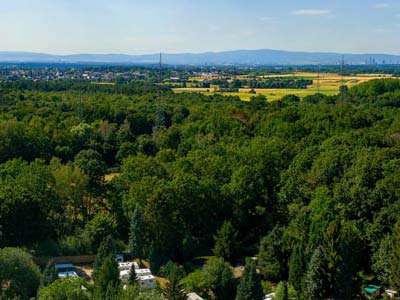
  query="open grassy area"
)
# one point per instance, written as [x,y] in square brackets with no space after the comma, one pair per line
[329,84]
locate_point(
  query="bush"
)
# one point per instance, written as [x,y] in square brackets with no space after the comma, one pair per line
[47,248]
[279,292]
[65,289]
[19,275]
[169,268]
[78,244]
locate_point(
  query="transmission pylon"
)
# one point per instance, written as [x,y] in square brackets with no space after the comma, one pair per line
[342,90]
[160,117]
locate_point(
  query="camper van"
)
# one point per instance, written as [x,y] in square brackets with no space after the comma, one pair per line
[148,281]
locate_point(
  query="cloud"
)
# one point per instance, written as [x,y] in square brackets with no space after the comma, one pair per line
[266,19]
[214,28]
[382,30]
[381,5]
[310,12]
[270,20]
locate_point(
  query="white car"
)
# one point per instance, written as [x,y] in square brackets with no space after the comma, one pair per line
[269,296]
[69,274]
[66,270]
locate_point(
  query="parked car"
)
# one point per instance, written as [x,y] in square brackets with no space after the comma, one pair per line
[66,270]
[269,296]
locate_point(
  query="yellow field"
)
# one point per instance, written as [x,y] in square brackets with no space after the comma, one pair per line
[329,85]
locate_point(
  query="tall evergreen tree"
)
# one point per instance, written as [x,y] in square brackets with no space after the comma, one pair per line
[331,258]
[297,267]
[347,282]
[273,257]
[173,289]
[344,283]
[156,259]
[49,274]
[107,278]
[132,276]
[395,257]
[250,284]
[218,277]
[226,242]
[106,248]
[382,265]
[136,231]
[314,279]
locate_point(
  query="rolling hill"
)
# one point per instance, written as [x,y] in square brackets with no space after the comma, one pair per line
[237,57]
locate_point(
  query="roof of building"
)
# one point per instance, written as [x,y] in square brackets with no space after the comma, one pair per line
[123,272]
[63,266]
[143,271]
[146,277]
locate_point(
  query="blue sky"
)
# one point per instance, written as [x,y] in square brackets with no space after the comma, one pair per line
[136,27]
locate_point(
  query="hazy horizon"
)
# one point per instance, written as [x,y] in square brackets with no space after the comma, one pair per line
[197,52]
[64,27]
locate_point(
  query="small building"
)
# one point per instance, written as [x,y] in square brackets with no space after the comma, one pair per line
[194,296]
[148,281]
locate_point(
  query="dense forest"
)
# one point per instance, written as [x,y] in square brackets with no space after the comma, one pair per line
[309,188]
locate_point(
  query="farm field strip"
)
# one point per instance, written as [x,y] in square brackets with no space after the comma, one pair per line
[329,85]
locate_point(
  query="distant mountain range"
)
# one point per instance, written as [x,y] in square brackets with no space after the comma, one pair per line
[237,57]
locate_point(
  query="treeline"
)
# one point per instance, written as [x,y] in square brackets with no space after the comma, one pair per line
[265,83]
[310,187]
[133,88]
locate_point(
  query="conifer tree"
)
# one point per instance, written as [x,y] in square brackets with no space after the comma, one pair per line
[156,259]
[395,258]
[297,267]
[314,284]
[132,276]
[49,274]
[250,284]
[106,248]
[107,277]
[226,242]
[173,289]
[136,242]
